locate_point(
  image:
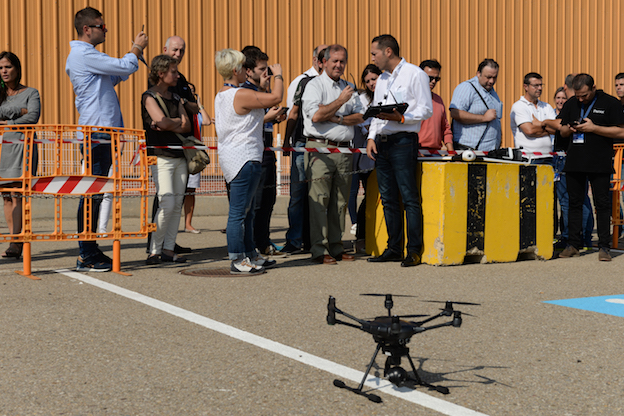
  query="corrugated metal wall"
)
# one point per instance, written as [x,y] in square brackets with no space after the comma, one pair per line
[552,37]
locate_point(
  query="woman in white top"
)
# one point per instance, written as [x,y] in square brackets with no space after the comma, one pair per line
[239,118]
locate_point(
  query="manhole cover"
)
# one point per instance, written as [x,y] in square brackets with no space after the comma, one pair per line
[220,272]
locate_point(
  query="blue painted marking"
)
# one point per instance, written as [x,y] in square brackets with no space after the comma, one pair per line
[610,305]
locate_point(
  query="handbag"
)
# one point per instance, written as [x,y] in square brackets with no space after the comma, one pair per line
[196,159]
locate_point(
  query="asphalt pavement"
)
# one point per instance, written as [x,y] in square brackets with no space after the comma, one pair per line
[160,342]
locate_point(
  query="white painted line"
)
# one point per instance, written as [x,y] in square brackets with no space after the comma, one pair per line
[342,371]
[621,301]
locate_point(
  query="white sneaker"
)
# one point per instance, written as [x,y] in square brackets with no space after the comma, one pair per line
[260,261]
[354,229]
[245,266]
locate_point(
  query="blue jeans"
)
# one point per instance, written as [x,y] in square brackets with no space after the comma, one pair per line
[298,197]
[396,175]
[240,230]
[561,191]
[101,161]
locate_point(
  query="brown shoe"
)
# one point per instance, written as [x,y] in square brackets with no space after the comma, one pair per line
[568,252]
[603,254]
[325,259]
[345,257]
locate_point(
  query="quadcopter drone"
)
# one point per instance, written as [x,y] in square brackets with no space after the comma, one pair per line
[392,334]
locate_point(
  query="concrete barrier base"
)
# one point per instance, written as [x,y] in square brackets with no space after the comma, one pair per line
[476,212]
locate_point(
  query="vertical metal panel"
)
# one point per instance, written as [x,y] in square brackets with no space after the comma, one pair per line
[552,37]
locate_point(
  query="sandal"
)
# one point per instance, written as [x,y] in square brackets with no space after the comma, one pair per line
[14,251]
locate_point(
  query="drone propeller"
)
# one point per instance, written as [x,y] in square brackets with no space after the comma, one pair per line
[451,301]
[388,294]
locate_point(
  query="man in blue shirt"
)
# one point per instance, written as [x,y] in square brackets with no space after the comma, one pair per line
[94,75]
[477,110]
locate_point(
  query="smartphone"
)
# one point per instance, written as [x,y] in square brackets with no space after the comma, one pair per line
[284,110]
[269,72]
[575,123]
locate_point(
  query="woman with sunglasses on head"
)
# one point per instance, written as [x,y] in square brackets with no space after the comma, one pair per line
[361,162]
[19,104]
[164,120]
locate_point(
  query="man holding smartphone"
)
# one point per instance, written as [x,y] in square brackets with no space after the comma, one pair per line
[94,75]
[592,119]
[256,64]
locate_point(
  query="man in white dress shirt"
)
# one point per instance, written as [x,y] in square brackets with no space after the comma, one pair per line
[393,143]
[330,110]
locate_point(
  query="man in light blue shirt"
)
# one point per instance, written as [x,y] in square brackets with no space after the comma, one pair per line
[94,76]
[477,110]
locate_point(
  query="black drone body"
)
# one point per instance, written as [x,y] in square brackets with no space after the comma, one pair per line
[392,333]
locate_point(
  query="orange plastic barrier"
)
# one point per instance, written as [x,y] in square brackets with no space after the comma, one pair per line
[617,188]
[64,171]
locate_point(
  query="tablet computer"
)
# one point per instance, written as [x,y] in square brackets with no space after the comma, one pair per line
[373,110]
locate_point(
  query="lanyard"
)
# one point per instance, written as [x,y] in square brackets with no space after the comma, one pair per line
[230,85]
[584,115]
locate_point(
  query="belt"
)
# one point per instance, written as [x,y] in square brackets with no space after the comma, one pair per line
[386,137]
[329,142]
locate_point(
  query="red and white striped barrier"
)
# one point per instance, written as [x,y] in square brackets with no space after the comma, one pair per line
[72,185]
[326,150]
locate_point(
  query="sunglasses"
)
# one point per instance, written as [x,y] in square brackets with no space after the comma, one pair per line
[436,79]
[103,27]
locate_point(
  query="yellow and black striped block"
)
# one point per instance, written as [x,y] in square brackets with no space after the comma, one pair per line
[476,212]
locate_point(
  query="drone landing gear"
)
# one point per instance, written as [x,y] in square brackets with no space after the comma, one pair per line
[372,397]
[396,374]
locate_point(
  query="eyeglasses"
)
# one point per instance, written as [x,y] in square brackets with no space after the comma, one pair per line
[103,27]
[436,79]
[536,85]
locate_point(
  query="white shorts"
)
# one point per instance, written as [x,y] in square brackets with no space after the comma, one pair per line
[194,181]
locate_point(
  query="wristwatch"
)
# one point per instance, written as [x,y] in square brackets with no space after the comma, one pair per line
[341,118]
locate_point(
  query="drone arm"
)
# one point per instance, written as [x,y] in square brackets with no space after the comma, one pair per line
[456,322]
[358,320]
[338,321]
[442,325]
[441,314]
[332,310]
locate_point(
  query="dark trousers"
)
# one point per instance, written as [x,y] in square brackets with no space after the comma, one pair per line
[361,212]
[265,201]
[101,161]
[396,175]
[600,184]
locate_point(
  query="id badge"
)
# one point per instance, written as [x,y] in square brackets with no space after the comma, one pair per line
[557,176]
[578,138]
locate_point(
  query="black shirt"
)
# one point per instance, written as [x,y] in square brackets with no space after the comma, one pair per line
[596,153]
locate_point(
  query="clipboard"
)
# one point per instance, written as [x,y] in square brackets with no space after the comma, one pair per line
[373,110]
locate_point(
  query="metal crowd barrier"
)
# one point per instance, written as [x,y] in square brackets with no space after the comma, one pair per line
[64,171]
